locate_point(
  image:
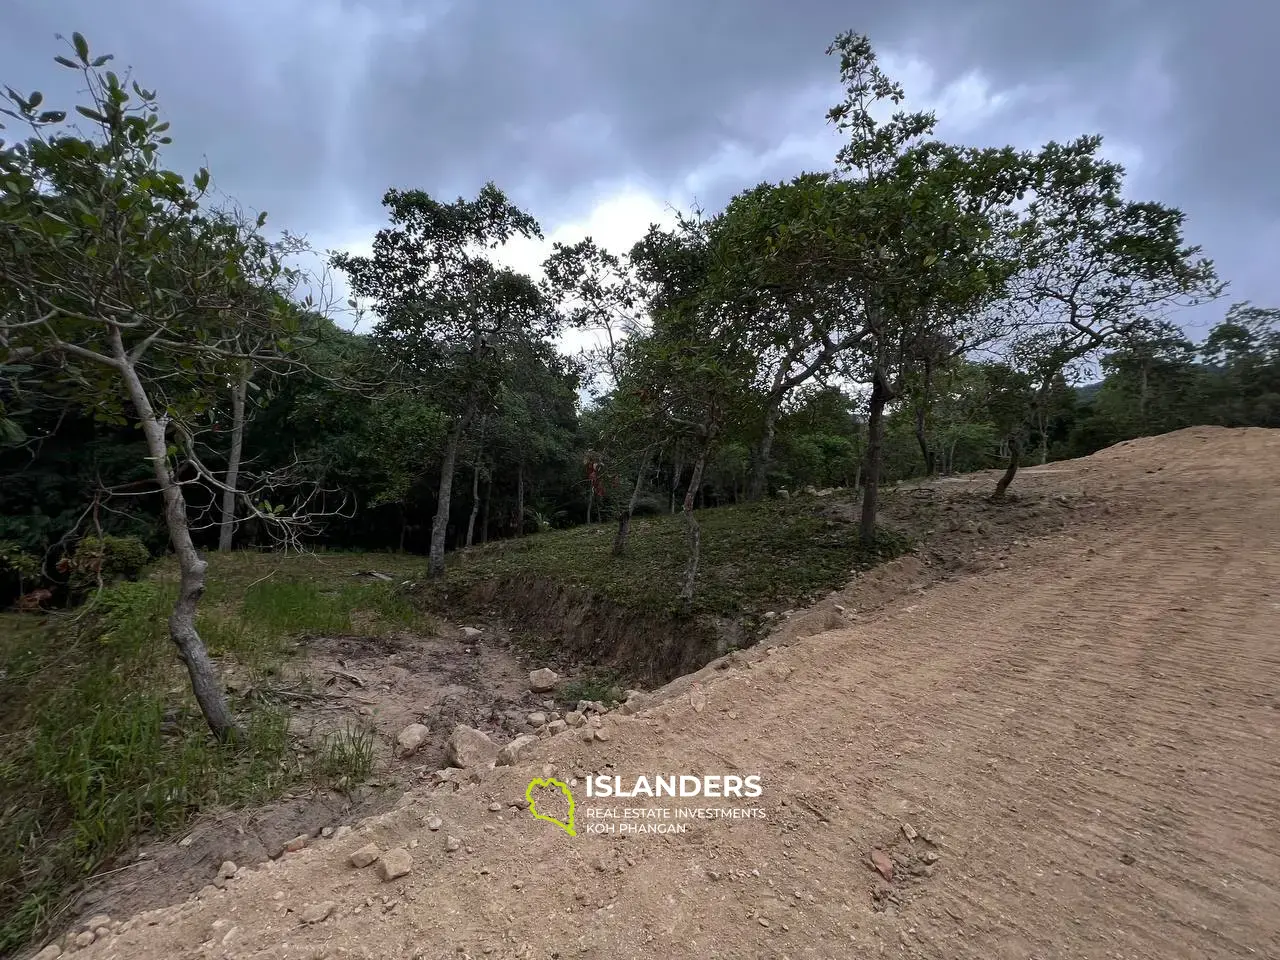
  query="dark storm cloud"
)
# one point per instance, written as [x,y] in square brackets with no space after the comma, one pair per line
[312,109]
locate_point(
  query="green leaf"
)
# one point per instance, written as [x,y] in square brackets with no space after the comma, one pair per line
[35,99]
[91,114]
[67,62]
[106,57]
[82,47]
[262,218]
[201,179]
[53,116]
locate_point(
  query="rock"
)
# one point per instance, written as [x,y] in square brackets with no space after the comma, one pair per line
[602,735]
[297,843]
[52,952]
[880,860]
[319,912]
[557,726]
[543,680]
[365,856]
[588,734]
[770,614]
[434,824]
[909,831]
[101,920]
[513,751]
[536,719]
[472,632]
[697,699]
[83,939]
[227,870]
[574,719]
[102,933]
[452,844]
[326,832]
[495,807]
[411,738]
[932,856]
[469,747]
[395,863]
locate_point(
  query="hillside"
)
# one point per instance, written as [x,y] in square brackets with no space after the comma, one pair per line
[1068,752]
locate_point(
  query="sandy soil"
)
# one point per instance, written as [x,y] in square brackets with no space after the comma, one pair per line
[1067,750]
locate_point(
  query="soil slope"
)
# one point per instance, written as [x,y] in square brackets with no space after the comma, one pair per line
[1072,752]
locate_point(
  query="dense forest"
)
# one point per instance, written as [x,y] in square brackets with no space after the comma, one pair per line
[173,379]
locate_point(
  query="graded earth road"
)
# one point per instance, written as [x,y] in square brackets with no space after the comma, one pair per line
[1086,731]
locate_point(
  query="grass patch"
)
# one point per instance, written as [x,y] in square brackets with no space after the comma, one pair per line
[606,686]
[756,557]
[103,743]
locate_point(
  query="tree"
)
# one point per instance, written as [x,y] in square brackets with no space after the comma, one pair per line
[113,276]
[449,317]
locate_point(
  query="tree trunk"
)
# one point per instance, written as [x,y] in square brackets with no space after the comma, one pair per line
[475,503]
[205,682]
[922,414]
[520,499]
[1015,459]
[440,523]
[484,511]
[591,499]
[624,521]
[676,469]
[881,394]
[693,532]
[227,528]
[764,452]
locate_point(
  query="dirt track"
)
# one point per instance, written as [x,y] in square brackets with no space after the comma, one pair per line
[1088,736]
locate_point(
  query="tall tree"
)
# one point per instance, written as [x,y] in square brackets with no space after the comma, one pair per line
[449,316]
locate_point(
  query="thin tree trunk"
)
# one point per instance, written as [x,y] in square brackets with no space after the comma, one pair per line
[520,499]
[676,469]
[693,532]
[922,413]
[484,511]
[205,682]
[624,521]
[440,523]
[475,503]
[591,499]
[1015,459]
[764,451]
[227,528]
[881,394]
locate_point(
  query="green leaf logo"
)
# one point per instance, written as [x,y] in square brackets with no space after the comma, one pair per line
[540,784]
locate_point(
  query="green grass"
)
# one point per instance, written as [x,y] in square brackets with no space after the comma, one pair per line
[755,557]
[102,742]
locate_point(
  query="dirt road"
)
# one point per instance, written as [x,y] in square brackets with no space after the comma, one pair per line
[1086,732]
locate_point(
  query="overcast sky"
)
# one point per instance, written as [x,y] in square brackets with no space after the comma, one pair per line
[597,115]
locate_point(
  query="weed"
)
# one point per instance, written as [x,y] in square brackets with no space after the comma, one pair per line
[604,686]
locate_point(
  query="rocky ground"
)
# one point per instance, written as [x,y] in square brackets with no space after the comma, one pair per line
[1049,744]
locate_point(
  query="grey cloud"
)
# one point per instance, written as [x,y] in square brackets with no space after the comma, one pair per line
[312,110]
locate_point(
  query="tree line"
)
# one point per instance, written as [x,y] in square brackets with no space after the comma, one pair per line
[170,374]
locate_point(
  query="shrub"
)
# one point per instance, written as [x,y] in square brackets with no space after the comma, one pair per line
[104,559]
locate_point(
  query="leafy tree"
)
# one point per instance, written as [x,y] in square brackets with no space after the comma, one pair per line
[112,275]
[450,318]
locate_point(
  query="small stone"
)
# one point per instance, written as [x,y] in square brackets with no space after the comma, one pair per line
[434,824]
[472,632]
[909,831]
[495,807]
[880,860]
[297,843]
[395,863]
[102,933]
[602,735]
[543,680]
[326,832]
[98,920]
[227,870]
[452,844]
[84,939]
[319,912]
[574,719]
[557,726]
[52,952]
[588,734]
[932,856]
[536,719]
[411,738]
[762,921]
[365,856]
[469,747]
